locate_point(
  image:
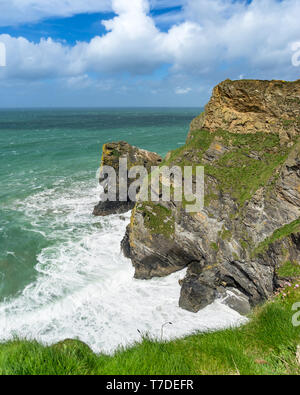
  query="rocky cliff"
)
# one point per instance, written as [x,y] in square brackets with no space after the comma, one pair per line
[248,142]
[249,106]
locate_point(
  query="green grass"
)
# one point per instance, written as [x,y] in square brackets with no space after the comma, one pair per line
[266,345]
[198,143]
[157,219]
[214,246]
[289,270]
[250,162]
[279,234]
[287,123]
[226,234]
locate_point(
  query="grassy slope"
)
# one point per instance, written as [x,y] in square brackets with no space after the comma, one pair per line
[281,233]
[249,164]
[267,345]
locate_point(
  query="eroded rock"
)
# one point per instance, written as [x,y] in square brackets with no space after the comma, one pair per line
[248,142]
[251,106]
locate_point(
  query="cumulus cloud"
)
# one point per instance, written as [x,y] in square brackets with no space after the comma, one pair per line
[132,42]
[21,11]
[225,31]
[215,37]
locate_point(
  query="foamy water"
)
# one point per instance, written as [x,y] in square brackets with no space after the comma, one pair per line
[85,287]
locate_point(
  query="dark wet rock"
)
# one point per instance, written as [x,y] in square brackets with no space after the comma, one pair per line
[104,209]
[198,291]
[125,244]
[237,301]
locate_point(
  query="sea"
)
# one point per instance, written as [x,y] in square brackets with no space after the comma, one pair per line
[62,274]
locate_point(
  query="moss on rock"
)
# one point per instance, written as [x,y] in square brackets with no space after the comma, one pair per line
[279,234]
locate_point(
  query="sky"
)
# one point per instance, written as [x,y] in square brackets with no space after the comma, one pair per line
[123,53]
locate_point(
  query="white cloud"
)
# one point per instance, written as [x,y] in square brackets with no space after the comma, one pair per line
[296,54]
[132,43]
[22,11]
[182,91]
[14,12]
[216,38]
[2,55]
[28,60]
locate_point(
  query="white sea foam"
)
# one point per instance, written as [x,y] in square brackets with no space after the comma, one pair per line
[85,288]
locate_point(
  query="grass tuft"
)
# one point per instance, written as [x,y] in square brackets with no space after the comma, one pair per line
[279,234]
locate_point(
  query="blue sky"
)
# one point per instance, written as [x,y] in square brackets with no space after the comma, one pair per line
[141,52]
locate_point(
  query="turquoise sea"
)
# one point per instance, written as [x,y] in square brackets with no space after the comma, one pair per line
[61,271]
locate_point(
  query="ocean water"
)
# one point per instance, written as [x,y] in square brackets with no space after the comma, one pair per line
[62,274]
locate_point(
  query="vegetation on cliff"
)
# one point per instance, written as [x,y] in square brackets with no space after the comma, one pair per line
[281,233]
[247,140]
[243,163]
[157,218]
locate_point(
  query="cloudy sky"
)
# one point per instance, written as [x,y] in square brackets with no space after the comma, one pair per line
[141,52]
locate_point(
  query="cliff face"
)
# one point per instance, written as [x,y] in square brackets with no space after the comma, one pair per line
[248,142]
[253,106]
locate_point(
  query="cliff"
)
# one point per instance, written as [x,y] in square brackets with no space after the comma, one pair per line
[248,142]
[249,106]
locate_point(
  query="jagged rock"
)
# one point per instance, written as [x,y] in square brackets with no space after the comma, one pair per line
[251,106]
[105,208]
[198,290]
[112,153]
[250,223]
[125,244]
[237,301]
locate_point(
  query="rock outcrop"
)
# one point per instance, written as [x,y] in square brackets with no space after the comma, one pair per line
[248,142]
[112,153]
[249,106]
